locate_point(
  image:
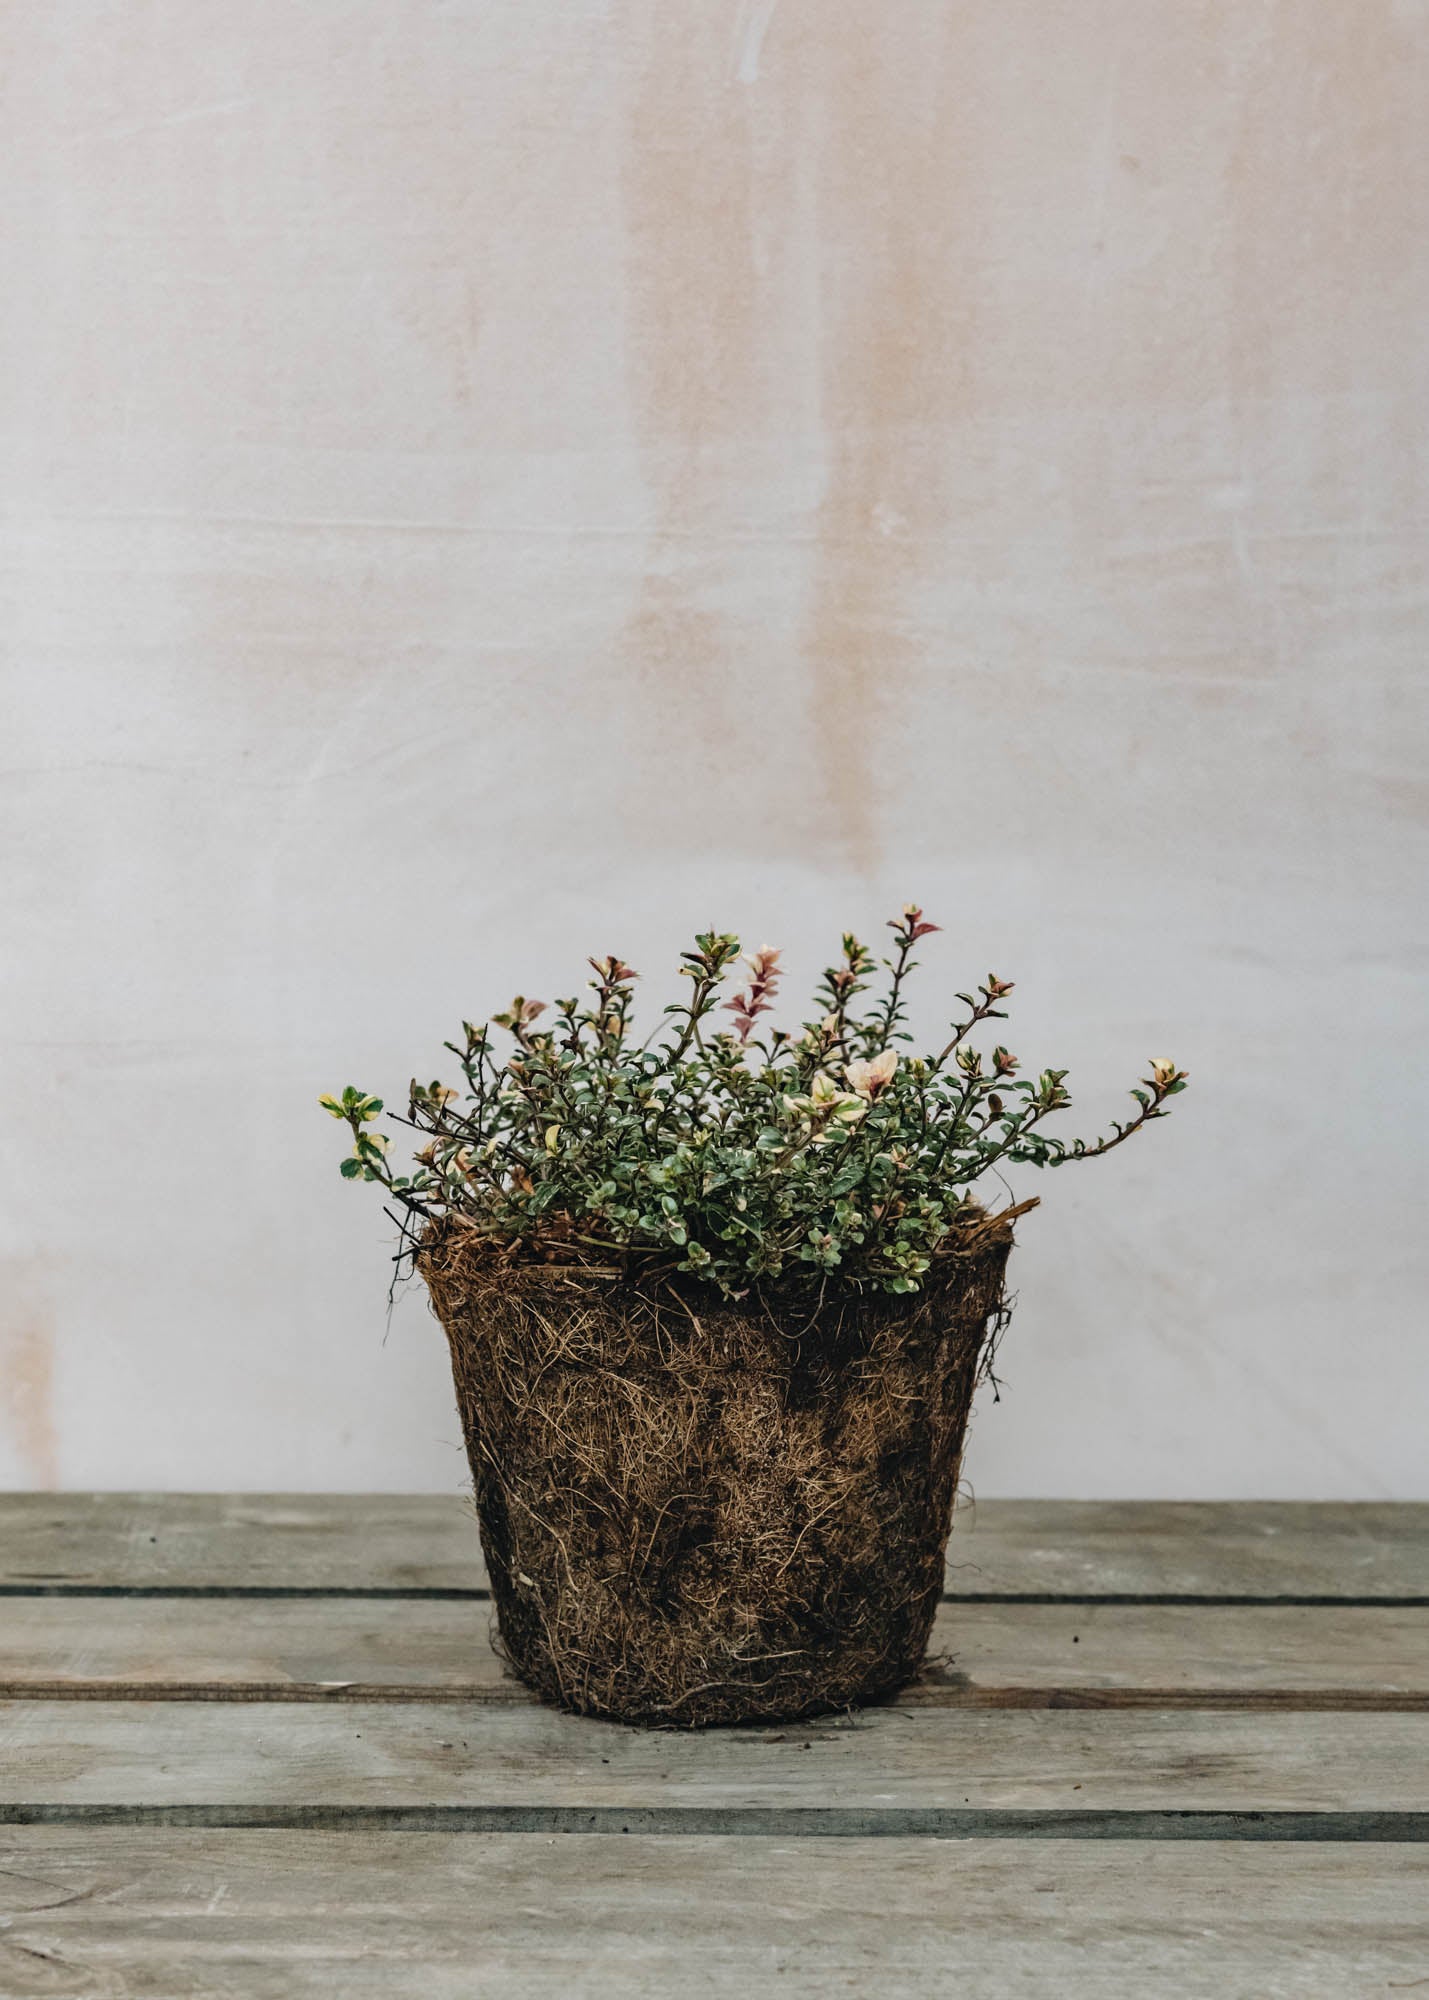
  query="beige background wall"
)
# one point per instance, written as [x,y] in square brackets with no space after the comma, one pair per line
[485,482]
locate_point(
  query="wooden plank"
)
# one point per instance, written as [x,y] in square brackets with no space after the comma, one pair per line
[235,1540]
[150,1915]
[987,1654]
[1249,1549]
[426,1542]
[474,1754]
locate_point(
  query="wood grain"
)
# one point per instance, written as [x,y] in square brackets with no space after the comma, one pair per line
[402,1754]
[135,1914]
[428,1542]
[984,1654]
[445,1836]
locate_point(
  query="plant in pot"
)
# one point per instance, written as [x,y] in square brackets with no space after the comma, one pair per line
[717,1301]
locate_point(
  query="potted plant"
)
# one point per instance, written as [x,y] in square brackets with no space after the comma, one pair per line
[717,1301]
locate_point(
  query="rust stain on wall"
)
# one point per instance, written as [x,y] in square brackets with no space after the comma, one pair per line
[894,294]
[27,1373]
[692,365]
[794,271]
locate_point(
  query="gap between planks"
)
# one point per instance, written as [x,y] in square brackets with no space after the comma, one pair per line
[434,1594]
[751,1822]
[1278,1701]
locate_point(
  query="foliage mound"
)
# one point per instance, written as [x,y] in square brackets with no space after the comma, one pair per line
[729,1150]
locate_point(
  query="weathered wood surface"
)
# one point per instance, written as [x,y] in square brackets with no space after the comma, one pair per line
[1017,1654]
[470,1754]
[1005,1548]
[132,1914]
[263,1677]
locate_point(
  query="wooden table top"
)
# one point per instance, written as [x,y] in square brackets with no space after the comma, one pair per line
[261,1745]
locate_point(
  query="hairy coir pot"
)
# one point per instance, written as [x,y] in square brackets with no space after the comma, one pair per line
[699,1511]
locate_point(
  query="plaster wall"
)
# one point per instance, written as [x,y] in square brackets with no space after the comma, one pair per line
[484,483]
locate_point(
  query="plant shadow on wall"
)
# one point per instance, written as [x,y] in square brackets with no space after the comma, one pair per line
[717,1302]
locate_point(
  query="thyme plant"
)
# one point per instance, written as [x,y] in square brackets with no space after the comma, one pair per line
[730,1150]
